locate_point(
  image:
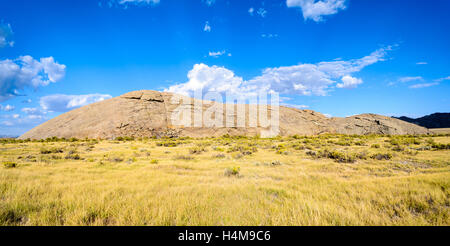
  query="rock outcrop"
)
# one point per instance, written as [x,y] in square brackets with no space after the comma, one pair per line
[150,113]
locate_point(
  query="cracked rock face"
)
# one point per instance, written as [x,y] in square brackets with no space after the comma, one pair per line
[149,113]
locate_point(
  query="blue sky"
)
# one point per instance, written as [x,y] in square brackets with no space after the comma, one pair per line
[338,57]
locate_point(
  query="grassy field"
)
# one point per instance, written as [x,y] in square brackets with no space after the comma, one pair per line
[321,180]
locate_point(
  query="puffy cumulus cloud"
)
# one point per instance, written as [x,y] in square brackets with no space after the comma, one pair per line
[209,79]
[349,82]
[63,103]
[302,79]
[5,35]
[315,10]
[18,74]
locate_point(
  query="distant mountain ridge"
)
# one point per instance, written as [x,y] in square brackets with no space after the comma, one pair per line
[436,120]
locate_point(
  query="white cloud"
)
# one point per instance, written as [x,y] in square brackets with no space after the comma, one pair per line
[349,82]
[303,79]
[442,79]
[217,53]
[5,35]
[137,2]
[409,79]
[31,111]
[421,63]
[209,2]
[63,103]
[315,10]
[261,12]
[207,27]
[7,108]
[18,74]
[424,85]
[270,35]
[251,11]
[294,105]
[7,123]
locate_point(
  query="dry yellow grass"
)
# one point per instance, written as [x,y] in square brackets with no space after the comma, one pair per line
[228,181]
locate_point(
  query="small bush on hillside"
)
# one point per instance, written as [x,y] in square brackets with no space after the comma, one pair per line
[197,150]
[73,157]
[439,146]
[375,146]
[219,156]
[154,161]
[335,155]
[9,164]
[183,157]
[380,157]
[51,151]
[234,171]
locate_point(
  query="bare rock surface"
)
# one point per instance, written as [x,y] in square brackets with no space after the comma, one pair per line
[149,113]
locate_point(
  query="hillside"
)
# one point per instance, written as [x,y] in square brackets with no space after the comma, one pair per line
[148,113]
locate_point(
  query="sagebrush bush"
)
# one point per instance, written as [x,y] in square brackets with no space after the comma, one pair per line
[379,156]
[233,171]
[9,164]
[53,150]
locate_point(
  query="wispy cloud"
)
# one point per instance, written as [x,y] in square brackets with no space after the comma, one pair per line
[137,2]
[409,79]
[269,35]
[218,53]
[209,2]
[424,85]
[315,10]
[442,79]
[7,108]
[5,35]
[207,27]
[251,11]
[421,63]
[261,12]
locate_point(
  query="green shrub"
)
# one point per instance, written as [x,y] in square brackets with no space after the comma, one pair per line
[73,157]
[335,155]
[386,156]
[375,146]
[9,164]
[183,157]
[51,151]
[197,150]
[234,171]
[439,146]
[219,156]
[154,161]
